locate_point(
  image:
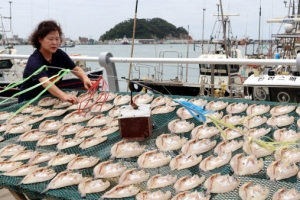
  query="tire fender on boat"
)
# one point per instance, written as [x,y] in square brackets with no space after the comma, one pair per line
[135,87]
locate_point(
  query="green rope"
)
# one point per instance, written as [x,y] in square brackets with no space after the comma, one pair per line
[60,75]
[14,84]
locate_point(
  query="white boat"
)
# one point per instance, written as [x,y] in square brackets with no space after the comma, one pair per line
[125,40]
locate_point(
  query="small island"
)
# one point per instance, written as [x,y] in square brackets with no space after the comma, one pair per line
[147,31]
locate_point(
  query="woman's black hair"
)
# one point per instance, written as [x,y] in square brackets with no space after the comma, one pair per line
[42,30]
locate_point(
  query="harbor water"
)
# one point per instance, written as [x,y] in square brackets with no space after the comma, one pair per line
[141,51]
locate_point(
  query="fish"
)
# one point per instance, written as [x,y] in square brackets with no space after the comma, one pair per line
[252,148]
[169,142]
[63,179]
[2,159]
[114,122]
[32,135]
[49,140]
[281,110]
[82,162]
[230,134]
[183,113]
[257,109]
[99,120]
[142,98]
[162,110]
[62,104]
[88,186]
[236,108]
[125,149]
[38,175]
[146,195]
[4,115]
[218,183]
[246,165]
[191,195]
[61,159]
[85,96]
[47,101]
[4,127]
[286,194]
[284,135]
[160,100]
[226,147]
[32,120]
[159,181]
[54,113]
[248,191]
[153,159]
[173,103]
[11,150]
[114,112]
[233,119]
[298,110]
[204,131]
[85,132]
[180,126]
[216,115]
[254,121]
[39,111]
[287,154]
[82,105]
[19,118]
[133,176]
[50,125]
[198,102]
[279,171]
[187,183]
[211,162]
[77,116]
[69,142]
[257,133]
[1,138]
[121,191]
[101,107]
[23,155]
[197,146]
[92,141]
[121,99]
[184,161]
[17,129]
[9,165]
[22,170]
[69,129]
[28,109]
[41,157]
[216,105]
[282,120]
[71,93]
[108,169]
[105,97]
[106,130]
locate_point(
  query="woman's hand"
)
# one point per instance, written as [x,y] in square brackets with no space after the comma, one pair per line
[88,83]
[70,98]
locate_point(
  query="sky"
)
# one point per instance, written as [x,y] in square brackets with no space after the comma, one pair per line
[92,18]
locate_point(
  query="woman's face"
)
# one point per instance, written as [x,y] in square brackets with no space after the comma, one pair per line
[50,42]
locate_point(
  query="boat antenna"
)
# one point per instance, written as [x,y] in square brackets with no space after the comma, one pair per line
[10,28]
[204,9]
[259,41]
[132,41]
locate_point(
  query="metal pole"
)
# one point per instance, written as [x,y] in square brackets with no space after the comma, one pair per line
[203,28]
[132,44]
[259,42]
[187,55]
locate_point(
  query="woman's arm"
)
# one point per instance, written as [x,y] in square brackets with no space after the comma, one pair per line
[77,71]
[55,91]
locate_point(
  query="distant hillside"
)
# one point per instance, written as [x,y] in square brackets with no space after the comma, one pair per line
[155,28]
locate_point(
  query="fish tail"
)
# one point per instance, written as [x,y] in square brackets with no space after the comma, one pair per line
[45,190]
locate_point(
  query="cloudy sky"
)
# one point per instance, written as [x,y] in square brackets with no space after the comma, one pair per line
[92,18]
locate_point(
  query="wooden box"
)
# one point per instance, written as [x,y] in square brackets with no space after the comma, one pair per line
[135,125]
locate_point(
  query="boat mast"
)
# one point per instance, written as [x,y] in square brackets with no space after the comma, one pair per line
[9,18]
[259,41]
[132,42]
[204,9]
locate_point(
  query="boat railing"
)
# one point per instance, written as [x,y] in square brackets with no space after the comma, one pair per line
[161,66]
[139,70]
[107,61]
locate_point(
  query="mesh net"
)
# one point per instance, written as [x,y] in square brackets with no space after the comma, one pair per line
[160,122]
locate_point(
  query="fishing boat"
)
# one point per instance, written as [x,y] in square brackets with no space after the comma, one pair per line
[125,40]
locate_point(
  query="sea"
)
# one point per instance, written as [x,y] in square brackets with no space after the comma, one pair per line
[142,71]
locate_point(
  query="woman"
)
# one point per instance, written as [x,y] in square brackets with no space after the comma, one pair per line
[47,38]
